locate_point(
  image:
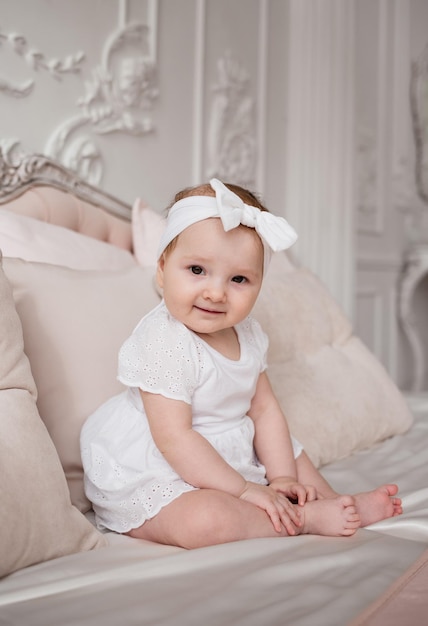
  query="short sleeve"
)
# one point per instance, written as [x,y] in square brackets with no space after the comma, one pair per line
[161,357]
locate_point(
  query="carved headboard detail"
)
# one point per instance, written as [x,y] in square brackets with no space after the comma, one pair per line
[20,172]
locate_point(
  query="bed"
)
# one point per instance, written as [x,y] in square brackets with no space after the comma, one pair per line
[71,256]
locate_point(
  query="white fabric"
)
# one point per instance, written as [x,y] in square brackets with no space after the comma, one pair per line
[303,581]
[274,231]
[126,477]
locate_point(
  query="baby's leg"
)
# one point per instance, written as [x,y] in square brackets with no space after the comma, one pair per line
[208,517]
[372,506]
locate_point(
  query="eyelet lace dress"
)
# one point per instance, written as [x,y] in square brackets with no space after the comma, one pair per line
[126,477]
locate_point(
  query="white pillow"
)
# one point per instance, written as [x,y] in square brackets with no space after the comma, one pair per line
[34,240]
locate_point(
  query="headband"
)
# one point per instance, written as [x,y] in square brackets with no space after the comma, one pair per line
[274,231]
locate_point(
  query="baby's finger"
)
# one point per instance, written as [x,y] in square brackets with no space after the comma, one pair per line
[290,511]
[299,493]
[311,493]
[275,518]
[288,524]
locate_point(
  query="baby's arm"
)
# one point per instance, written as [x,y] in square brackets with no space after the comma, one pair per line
[199,464]
[273,445]
[190,454]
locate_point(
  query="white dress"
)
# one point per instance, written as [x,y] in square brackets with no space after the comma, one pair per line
[126,477]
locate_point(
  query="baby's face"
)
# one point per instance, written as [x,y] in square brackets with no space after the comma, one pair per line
[211,278]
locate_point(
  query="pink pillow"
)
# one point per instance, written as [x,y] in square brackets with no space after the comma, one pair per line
[34,240]
[147,228]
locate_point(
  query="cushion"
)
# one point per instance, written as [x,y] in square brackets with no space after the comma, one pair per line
[52,205]
[37,519]
[74,323]
[336,395]
[34,240]
[147,228]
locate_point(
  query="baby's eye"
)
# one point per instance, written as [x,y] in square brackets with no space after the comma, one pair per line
[239,279]
[196,269]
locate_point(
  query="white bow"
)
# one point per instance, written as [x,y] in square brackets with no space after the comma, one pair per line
[275,231]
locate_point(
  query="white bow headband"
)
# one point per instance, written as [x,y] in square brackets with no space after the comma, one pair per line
[274,231]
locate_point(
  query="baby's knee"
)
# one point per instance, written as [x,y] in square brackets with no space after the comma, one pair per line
[214,521]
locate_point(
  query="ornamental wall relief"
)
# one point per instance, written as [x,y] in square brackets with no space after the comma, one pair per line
[117,98]
[36,61]
[419,109]
[231,140]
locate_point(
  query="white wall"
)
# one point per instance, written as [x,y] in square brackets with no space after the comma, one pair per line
[304,101]
[390,36]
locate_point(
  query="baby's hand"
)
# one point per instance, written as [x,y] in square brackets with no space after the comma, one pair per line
[281,511]
[293,489]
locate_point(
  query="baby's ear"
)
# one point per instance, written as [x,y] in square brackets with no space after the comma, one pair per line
[159,271]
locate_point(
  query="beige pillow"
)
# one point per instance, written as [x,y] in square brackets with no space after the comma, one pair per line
[74,323]
[335,394]
[37,520]
[35,240]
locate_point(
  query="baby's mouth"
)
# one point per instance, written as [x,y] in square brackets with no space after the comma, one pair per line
[209,311]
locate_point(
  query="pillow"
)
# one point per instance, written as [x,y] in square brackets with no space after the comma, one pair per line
[335,394]
[37,519]
[52,205]
[147,228]
[74,323]
[35,240]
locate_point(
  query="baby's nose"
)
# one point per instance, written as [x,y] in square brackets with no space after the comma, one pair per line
[215,292]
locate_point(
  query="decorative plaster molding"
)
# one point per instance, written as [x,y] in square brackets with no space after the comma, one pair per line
[414,272]
[419,110]
[15,90]
[123,86]
[36,60]
[118,95]
[367,172]
[231,138]
[408,201]
[379,263]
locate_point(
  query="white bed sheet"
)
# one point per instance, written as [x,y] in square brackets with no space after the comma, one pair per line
[302,581]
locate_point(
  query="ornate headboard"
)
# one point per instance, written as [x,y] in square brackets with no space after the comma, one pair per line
[19,173]
[39,187]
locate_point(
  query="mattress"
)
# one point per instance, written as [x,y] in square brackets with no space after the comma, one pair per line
[303,581]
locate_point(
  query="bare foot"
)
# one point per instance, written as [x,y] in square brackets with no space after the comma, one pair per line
[333,517]
[378,504]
